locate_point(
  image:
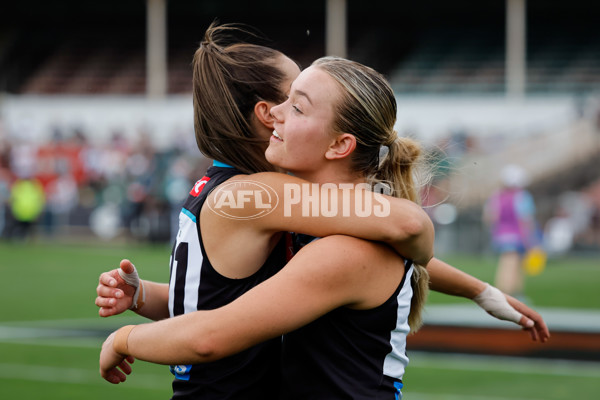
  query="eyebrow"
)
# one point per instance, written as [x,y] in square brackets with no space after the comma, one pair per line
[304,94]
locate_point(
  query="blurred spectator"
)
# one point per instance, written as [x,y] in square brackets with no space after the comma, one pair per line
[142,173]
[62,197]
[575,224]
[5,183]
[26,204]
[177,184]
[511,213]
[558,233]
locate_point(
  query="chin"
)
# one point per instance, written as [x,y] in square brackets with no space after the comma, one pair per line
[273,159]
[270,156]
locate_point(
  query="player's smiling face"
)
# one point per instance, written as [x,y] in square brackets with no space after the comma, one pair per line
[303,123]
[290,71]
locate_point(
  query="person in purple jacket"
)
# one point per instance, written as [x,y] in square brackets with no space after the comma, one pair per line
[511,214]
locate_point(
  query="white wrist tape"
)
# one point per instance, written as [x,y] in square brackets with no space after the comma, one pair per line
[133,279]
[494,303]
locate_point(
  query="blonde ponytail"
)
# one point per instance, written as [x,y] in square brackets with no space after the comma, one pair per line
[420,286]
[397,167]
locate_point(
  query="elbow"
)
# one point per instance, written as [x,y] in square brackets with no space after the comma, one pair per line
[429,232]
[418,226]
[206,349]
[423,236]
[418,233]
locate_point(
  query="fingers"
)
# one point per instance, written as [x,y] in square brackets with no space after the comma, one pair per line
[125,367]
[118,374]
[127,266]
[542,331]
[107,312]
[539,331]
[108,306]
[109,278]
[114,375]
[529,325]
[526,322]
[534,335]
[109,292]
[106,302]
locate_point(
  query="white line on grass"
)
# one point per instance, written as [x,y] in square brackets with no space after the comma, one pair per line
[50,337]
[85,343]
[95,322]
[517,365]
[64,332]
[8,333]
[439,396]
[40,373]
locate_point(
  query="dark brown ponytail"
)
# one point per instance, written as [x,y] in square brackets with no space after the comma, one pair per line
[228,80]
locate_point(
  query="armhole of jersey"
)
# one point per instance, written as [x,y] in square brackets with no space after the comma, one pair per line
[201,239]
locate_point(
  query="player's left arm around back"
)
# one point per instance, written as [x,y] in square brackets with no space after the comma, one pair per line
[446,279]
[326,274]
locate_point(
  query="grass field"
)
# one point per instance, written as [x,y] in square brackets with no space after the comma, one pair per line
[50,333]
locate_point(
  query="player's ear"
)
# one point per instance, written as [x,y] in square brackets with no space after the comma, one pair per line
[341,147]
[262,111]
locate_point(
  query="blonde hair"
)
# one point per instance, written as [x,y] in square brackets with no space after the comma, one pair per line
[228,81]
[367,109]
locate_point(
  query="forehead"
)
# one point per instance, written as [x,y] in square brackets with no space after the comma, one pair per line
[318,85]
[288,66]
[290,70]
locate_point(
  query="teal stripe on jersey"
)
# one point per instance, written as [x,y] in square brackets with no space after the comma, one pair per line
[221,164]
[398,386]
[189,214]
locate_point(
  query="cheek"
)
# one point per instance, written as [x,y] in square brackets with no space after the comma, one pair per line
[307,153]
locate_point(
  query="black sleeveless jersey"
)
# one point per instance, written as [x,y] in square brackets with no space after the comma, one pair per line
[349,354]
[195,285]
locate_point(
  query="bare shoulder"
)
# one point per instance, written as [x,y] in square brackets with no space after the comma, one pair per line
[351,253]
[273,178]
[354,245]
[250,198]
[365,272]
[242,198]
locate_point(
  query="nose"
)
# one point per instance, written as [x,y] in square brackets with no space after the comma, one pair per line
[276,112]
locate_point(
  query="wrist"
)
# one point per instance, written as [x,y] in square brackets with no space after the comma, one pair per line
[493,301]
[120,343]
[484,294]
[139,298]
[477,290]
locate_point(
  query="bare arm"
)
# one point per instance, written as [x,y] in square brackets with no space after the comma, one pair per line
[446,279]
[323,210]
[326,274]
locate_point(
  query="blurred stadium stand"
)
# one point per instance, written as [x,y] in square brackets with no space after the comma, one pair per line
[465,61]
[71,47]
[67,57]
